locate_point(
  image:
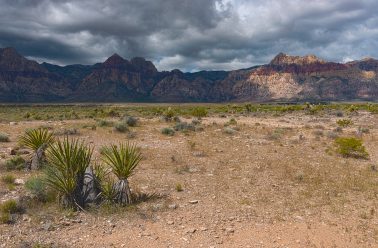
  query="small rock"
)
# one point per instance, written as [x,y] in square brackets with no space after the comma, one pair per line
[170,222]
[172,206]
[193,202]
[19,181]
[12,123]
[229,230]
[47,227]
[190,230]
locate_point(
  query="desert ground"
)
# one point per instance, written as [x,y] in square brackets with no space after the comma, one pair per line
[260,179]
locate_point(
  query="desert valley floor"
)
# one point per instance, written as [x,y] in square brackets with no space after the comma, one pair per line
[264,180]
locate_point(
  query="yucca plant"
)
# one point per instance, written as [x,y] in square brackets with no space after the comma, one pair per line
[37,140]
[108,191]
[122,160]
[67,162]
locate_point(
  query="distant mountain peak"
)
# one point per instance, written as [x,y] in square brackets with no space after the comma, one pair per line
[284,59]
[115,59]
[9,52]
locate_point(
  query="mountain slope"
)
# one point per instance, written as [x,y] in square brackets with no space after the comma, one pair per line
[287,78]
[23,80]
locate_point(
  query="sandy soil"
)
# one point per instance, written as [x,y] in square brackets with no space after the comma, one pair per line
[277,182]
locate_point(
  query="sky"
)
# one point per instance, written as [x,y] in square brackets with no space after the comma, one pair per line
[189,35]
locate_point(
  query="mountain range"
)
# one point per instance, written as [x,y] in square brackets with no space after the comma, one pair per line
[285,78]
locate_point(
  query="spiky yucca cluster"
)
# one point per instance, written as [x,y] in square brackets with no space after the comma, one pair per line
[67,163]
[36,138]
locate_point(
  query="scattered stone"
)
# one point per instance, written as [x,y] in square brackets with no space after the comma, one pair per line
[193,201]
[47,226]
[172,206]
[190,230]
[19,181]
[170,222]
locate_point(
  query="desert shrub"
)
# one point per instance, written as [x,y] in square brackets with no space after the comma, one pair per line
[199,112]
[112,113]
[344,122]
[37,187]
[8,179]
[122,159]
[196,122]
[363,130]
[7,209]
[338,129]
[10,206]
[169,114]
[184,126]
[179,187]
[332,135]
[15,163]
[121,127]
[105,123]
[176,119]
[4,137]
[339,113]
[168,131]
[131,121]
[233,121]
[229,130]
[276,134]
[67,131]
[5,218]
[351,147]
[318,133]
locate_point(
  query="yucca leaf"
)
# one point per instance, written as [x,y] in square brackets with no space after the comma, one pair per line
[123,159]
[35,138]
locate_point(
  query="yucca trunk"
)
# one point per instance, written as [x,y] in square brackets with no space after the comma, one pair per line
[91,187]
[37,159]
[123,193]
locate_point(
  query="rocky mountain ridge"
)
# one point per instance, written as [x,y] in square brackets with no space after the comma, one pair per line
[285,78]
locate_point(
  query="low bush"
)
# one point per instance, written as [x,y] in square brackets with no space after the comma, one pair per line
[229,130]
[4,137]
[231,122]
[199,112]
[131,121]
[9,206]
[105,123]
[184,126]
[169,114]
[351,147]
[15,163]
[8,179]
[168,131]
[276,134]
[37,187]
[7,209]
[179,187]
[344,122]
[67,131]
[121,127]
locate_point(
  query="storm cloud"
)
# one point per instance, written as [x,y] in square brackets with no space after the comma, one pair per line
[189,34]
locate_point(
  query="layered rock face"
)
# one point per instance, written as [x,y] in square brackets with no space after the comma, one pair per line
[22,80]
[309,78]
[285,78]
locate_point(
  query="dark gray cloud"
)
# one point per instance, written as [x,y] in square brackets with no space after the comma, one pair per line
[189,34]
